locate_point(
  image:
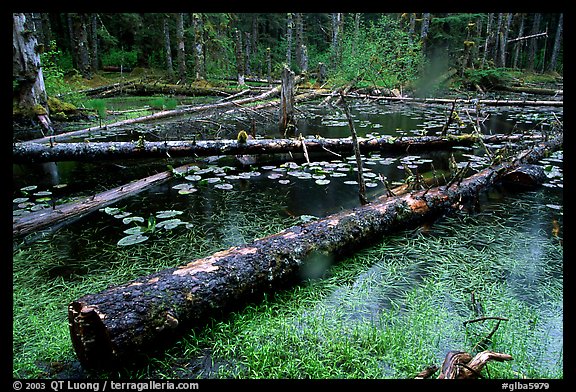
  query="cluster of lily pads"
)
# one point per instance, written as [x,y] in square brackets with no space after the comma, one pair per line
[141,228]
[554,173]
[32,199]
[321,173]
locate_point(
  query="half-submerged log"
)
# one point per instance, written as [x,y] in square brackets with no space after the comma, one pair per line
[64,213]
[28,152]
[130,321]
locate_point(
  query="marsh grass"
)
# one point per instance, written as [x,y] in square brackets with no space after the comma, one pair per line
[386,312]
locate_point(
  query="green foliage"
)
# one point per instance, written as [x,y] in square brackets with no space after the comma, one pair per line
[99,105]
[120,57]
[489,76]
[55,63]
[162,103]
[382,54]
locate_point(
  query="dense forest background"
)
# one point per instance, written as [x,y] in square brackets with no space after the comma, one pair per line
[387,50]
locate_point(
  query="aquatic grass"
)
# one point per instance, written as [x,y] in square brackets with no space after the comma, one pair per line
[385,312]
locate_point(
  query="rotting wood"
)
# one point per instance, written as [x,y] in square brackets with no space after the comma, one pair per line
[461,365]
[128,322]
[28,152]
[42,219]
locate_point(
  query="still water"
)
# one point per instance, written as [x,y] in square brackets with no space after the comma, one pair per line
[225,201]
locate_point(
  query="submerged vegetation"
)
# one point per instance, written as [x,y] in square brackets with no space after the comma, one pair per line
[386,312]
[482,278]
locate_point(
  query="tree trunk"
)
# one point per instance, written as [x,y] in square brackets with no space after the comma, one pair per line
[27,71]
[556,48]
[247,53]
[239,58]
[127,322]
[80,45]
[489,39]
[299,24]
[289,26]
[424,30]
[518,44]
[487,102]
[181,54]
[497,40]
[533,43]
[504,39]
[93,41]
[199,67]
[164,114]
[286,111]
[453,368]
[336,38]
[168,49]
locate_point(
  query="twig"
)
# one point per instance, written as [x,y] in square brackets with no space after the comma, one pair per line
[485,318]
[305,149]
[362,184]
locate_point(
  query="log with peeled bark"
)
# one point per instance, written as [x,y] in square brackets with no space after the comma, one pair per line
[129,322]
[28,152]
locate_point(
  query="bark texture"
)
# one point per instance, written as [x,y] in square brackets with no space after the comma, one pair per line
[132,320]
[27,152]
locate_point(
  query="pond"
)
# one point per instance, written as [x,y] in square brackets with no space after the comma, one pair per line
[401,302]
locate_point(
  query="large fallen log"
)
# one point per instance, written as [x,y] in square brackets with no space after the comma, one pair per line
[128,322]
[28,152]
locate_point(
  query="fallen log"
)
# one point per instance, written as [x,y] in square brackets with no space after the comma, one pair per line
[128,322]
[64,213]
[470,101]
[530,90]
[27,152]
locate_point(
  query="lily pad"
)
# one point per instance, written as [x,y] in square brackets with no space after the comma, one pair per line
[111,210]
[132,239]
[170,223]
[193,177]
[122,215]
[43,193]
[224,186]
[131,219]
[20,200]
[29,188]
[135,230]
[168,213]
[322,182]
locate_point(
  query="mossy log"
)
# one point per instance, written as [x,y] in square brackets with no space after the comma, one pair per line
[131,321]
[28,152]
